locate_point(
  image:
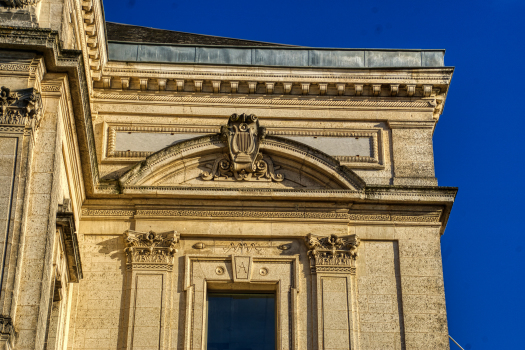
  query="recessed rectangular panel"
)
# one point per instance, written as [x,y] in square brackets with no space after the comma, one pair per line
[338,146]
[147,312]
[379,298]
[148,142]
[241,321]
[336,330]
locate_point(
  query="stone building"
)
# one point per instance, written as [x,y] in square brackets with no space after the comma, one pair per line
[166,190]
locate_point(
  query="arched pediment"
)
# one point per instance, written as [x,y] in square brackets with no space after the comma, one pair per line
[189,163]
[241,156]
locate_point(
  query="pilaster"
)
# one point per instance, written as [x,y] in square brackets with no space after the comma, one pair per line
[334,292]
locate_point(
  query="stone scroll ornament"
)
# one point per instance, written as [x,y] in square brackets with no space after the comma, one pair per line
[150,249]
[20,108]
[244,161]
[336,254]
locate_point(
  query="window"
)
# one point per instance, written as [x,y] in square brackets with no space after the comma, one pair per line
[241,321]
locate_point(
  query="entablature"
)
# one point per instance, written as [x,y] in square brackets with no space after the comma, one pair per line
[401,88]
[390,205]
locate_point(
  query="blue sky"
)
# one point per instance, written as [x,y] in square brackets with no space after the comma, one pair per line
[478,143]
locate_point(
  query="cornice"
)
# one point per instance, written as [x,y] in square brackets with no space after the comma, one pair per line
[71,62]
[394,194]
[399,75]
[93,36]
[411,194]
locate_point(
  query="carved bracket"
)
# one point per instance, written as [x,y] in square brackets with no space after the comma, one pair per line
[21,107]
[151,250]
[65,221]
[336,254]
[244,161]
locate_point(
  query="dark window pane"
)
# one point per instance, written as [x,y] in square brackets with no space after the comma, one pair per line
[241,321]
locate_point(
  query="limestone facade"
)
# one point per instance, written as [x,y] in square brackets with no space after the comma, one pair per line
[136,178]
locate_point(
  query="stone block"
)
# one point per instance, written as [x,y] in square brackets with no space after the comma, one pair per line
[422,285]
[430,341]
[419,249]
[417,304]
[40,204]
[421,267]
[8,146]
[426,323]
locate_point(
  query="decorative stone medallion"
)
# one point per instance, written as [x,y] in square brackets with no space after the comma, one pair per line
[244,161]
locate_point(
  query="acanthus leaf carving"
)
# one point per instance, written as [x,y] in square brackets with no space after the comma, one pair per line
[150,249]
[20,108]
[243,135]
[332,253]
[20,3]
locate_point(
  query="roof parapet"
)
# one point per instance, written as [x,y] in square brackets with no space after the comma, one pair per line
[275,56]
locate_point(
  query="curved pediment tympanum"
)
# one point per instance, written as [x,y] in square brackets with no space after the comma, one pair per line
[242,155]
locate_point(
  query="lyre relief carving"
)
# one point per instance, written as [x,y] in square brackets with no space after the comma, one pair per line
[150,249]
[21,107]
[244,161]
[333,253]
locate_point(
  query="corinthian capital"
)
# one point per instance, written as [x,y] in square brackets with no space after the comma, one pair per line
[332,253]
[21,107]
[20,3]
[150,250]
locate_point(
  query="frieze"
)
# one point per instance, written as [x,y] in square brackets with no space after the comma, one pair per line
[324,102]
[150,249]
[365,217]
[242,247]
[332,253]
[261,214]
[51,88]
[250,214]
[405,218]
[107,212]
[15,67]
[12,129]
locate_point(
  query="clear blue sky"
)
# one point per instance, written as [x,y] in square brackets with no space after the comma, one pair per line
[478,143]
